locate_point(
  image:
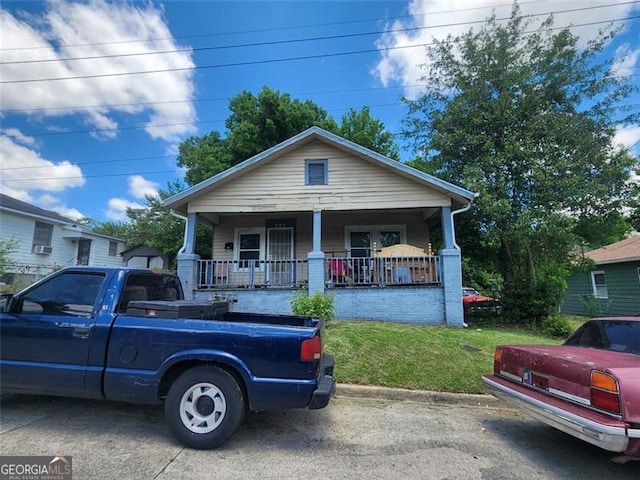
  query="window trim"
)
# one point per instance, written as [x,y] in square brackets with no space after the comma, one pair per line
[236,251]
[42,225]
[320,161]
[594,286]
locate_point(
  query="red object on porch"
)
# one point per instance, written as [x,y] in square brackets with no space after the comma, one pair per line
[337,267]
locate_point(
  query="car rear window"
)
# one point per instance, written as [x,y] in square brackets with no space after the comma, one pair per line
[614,335]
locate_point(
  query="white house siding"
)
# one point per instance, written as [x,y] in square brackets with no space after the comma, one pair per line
[21,229]
[64,248]
[353,184]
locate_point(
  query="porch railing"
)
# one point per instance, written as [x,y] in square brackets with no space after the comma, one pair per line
[339,272]
[382,271]
[252,273]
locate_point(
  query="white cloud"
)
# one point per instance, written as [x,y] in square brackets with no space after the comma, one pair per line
[626,59]
[402,65]
[18,137]
[98,29]
[24,170]
[51,202]
[117,209]
[139,187]
[628,136]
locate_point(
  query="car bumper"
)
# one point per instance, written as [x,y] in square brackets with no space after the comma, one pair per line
[592,427]
[326,384]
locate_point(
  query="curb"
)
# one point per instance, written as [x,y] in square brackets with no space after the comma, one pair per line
[420,396]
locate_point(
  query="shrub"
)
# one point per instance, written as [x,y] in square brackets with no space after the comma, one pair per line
[316,305]
[531,300]
[555,326]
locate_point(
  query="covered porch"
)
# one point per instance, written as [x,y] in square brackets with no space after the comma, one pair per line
[378,265]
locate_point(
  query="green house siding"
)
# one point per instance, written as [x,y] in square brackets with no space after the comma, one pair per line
[623,292]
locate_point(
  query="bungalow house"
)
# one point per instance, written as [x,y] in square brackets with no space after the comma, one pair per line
[612,287]
[320,212]
[44,241]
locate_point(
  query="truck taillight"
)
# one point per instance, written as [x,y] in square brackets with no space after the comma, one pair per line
[311,349]
[497,359]
[605,393]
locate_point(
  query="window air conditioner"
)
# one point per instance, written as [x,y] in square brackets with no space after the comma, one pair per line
[42,249]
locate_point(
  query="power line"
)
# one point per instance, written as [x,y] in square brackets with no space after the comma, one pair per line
[245,32]
[276,60]
[203,122]
[300,40]
[219,99]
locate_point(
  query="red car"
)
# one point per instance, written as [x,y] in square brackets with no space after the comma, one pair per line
[474,303]
[588,387]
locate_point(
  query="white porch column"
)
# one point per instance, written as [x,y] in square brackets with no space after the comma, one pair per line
[451,264]
[315,258]
[188,260]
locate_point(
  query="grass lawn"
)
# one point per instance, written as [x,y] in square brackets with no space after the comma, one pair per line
[419,357]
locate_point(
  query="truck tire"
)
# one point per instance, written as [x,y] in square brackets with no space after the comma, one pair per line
[204,407]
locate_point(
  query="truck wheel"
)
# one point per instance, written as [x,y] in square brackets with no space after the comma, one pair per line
[204,407]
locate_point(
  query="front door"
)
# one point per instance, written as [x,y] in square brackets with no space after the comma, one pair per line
[84,250]
[280,267]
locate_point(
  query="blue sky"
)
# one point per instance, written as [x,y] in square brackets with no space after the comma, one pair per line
[91,146]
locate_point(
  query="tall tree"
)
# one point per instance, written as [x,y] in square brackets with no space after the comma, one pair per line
[258,122]
[526,119]
[361,128]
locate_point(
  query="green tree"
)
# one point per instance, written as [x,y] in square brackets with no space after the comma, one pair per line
[7,247]
[203,157]
[156,227]
[258,122]
[527,120]
[361,128]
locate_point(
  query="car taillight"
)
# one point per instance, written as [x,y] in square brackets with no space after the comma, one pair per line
[497,359]
[311,349]
[605,393]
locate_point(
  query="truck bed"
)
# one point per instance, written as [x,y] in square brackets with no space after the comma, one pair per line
[216,311]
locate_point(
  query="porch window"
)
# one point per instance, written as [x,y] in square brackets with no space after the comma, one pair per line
[316,172]
[250,242]
[360,240]
[42,234]
[599,284]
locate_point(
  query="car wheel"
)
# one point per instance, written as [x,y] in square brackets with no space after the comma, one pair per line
[204,407]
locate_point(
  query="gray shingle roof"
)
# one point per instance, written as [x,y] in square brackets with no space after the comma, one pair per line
[11,203]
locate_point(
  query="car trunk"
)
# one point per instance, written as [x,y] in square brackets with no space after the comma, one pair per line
[562,371]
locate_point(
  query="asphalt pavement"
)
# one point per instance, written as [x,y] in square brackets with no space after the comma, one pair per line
[364,433]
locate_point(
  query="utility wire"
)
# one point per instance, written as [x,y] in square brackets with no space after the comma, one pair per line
[276,60]
[299,40]
[264,30]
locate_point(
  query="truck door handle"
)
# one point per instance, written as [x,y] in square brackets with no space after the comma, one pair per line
[81,332]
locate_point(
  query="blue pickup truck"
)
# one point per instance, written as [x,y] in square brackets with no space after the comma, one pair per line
[127,335]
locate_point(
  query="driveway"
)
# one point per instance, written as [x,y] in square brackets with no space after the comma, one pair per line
[354,438]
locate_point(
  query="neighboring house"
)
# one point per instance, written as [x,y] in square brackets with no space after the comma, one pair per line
[316,211]
[612,287]
[45,241]
[142,256]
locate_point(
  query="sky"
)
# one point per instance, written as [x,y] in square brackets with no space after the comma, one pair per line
[96,96]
